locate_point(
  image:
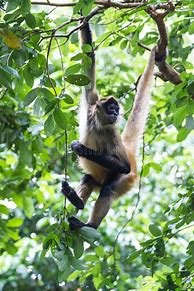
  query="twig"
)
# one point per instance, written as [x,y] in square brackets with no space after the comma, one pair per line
[144,46]
[47,64]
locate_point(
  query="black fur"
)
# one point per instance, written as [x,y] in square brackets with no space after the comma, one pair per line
[104,160]
[72,196]
[161,58]
[75,223]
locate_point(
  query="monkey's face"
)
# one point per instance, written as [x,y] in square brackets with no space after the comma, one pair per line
[107,110]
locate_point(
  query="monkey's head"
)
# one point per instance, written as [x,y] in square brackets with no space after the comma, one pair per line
[107,110]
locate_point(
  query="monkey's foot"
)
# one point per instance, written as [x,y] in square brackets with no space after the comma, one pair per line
[75,223]
[72,195]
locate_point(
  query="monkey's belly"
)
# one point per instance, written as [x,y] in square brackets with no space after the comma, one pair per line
[99,173]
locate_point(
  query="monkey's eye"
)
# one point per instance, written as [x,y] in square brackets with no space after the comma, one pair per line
[111,107]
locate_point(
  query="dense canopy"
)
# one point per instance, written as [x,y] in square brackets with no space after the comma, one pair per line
[146,241]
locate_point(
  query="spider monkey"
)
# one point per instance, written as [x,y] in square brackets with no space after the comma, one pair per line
[108,158]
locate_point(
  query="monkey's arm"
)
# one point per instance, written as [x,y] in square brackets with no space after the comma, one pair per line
[104,160]
[91,94]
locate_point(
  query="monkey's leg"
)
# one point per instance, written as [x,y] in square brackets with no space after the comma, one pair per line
[104,160]
[102,206]
[79,197]
[85,187]
[108,193]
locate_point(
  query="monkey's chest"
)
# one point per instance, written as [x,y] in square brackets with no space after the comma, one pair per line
[99,173]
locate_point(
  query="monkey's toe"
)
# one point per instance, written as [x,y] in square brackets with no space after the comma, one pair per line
[75,223]
[72,195]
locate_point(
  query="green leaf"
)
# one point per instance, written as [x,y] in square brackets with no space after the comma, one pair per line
[47,94]
[154,229]
[75,263]
[10,71]
[28,76]
[12,5]
[146,170]
[4,209]
[49,125]
[134,255]
[43,254]
[100,251]
[78,57]
[179,116]
[160,248]
[58,254]
[72,69]
[30,20]
[79,80]
[191,28]
[182,134]
[88,7]
[190,87]
[78,247]
[84,6]
[4,79]
[123,44]
[89,232]
[73,276]
[90,258]
[51,106]
[60,118]
[87,48]
[156,167]
[189,122]
[28,206]
[25,153]
[62,276]
[11,248]
[68,99]
[25,6]
[15,222]
[62,264]
[47,241]
[3,25]
[31,96]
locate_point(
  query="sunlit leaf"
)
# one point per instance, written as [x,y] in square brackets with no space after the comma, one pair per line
[15,222]
[78,79]
[154,229]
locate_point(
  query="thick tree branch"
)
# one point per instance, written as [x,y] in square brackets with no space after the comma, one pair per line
[105,3]
[166,71]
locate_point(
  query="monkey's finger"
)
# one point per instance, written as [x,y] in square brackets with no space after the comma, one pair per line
[75,144]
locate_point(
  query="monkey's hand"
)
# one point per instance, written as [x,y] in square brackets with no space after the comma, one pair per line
[75,223]
[72,195]
[77,147]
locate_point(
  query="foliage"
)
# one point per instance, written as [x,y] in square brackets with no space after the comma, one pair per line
[41,77]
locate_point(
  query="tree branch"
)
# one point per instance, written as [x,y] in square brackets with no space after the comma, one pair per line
[167,72]
[105,3]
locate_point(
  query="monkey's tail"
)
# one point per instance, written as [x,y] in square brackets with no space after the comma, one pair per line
[134,128]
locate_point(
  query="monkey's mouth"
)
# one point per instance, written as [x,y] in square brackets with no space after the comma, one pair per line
[113,118]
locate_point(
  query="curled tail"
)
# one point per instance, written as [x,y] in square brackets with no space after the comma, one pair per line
[134,128]
[90,90]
